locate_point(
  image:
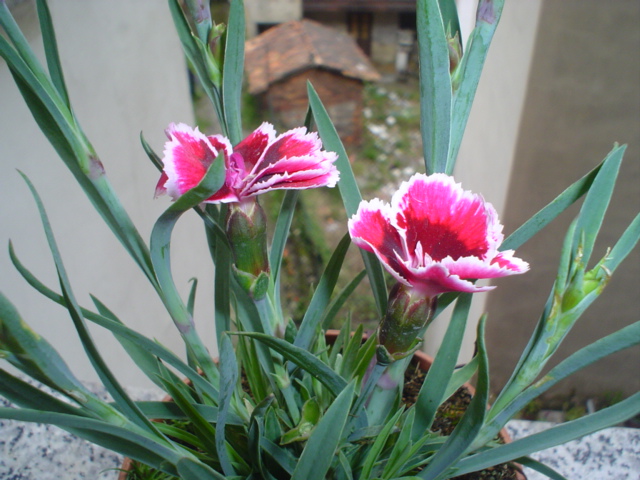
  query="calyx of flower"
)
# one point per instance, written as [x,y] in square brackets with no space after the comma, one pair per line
[408,313]
[246,228]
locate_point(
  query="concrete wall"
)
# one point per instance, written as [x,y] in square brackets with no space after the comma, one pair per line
[125,74]
[583,95]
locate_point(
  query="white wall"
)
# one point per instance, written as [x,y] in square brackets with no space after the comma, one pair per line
[125,74]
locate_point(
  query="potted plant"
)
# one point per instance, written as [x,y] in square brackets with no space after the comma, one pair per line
[281,402]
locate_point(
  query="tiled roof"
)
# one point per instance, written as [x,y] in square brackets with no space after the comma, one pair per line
[359,5]
[296,46]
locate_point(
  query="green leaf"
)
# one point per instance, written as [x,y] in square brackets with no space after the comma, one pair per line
[433,389]
[402,448]
[113,437]
[281,232]
[349,191]
[435,86]
[27,396]
[596,203]
[193,51]
[203,429]
[121,331]
[623,247]
[33,354]
[193,470]
[228,380]
[557,435]
[336,304]
[51,51]
[311,322]
[325,439]
[540,467]
[450,20]
[467,75]
[551,211]
[460,376]
[160,256]
[153,156]
[21,45]
[471,423]
[626,337]
[232,71]
[143,359]
[125,404]
[303,359]
[373,454]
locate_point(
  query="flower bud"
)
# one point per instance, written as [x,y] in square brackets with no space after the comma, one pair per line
[247,233]
[408,312]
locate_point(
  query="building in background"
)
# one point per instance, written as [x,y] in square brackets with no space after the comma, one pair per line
[280,62]
[383,29]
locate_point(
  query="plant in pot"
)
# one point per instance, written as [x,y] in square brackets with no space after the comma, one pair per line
[283,402]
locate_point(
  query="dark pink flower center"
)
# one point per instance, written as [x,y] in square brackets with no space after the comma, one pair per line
[439,241]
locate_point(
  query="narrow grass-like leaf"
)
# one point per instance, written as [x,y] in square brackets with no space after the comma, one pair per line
[33,354]
[20,43]
[350,352]
[281,231]
[160,256]
[282,457]
[450,20]
[194,54]
[25,395]
[232,70]
[339,300]
[541,219]
[325,439]
[143,359]
[189,468]
[623,247]
[401,448]
[433,389]
[153,156]
[596,203]
[540,467]
[122,331]
[305,360]
[460,376]
[119,439]
[311,322]
[349,191]
[374,453]
[557,435]
[203,429]
[435,86]
[125,403]
[470,424]
[171,411]
[626,337]
[228,380]
[467,75]
[51,51]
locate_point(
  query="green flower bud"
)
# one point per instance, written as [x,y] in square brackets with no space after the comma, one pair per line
[247,233]
[408,312]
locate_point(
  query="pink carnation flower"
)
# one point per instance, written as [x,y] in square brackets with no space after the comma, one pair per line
[259,163]
[435,236]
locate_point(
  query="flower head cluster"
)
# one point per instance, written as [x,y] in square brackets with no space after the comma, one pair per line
[435,237]
[259,163]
